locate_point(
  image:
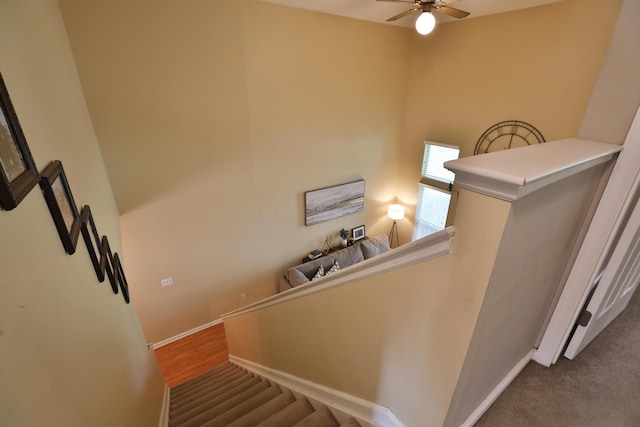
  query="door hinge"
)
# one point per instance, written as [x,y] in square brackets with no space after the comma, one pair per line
[584,318]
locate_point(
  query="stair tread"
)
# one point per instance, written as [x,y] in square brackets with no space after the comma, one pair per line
[210,410]
[289,415]
[204,385]
[265,410]
[233,397]
[212,373]
[216,381]
[214,397]
[321,417]
[244,407]
[205,388]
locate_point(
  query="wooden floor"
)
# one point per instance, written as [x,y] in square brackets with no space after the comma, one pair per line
[193,355]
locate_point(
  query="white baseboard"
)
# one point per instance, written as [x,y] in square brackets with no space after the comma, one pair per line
[497,391]
[369,412]
[164,412]
[155,345]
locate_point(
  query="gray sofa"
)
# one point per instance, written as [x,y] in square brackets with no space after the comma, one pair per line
[359,251]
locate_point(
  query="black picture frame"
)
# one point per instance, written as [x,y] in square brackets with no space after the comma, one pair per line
[62,206]
[93,242]
[18,171]
[108,265]
[120,277]
[357,233]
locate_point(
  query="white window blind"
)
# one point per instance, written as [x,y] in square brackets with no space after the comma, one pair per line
[433,160]
[433,203]
[431,210]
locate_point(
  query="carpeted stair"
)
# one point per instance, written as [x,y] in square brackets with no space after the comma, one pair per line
[231,396]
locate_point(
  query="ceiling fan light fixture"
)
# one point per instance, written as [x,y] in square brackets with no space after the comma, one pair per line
[425,23]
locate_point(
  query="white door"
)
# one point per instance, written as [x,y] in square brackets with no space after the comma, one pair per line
[619,280]
[600,240]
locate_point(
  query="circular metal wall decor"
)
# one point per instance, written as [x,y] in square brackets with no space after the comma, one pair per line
[506,135]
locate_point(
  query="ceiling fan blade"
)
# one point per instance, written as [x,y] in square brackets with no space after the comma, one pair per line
[451,11]
[403,14]
[399,1]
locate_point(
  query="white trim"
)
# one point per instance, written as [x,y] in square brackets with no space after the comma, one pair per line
[364,410]
[512,174]
[164,411]
[598,242]
[497,391]
[428,247]
[155,345]
[442,144]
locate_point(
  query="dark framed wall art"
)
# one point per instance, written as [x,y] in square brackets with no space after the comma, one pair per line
[92,241]
[18,176]
[64,212]
[120,277]
[18,171]
[108,265]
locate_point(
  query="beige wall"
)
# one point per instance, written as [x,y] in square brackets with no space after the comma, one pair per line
[71,352]
[207,103]
[397,339]
[538,65]
[432,341]
[214,119]
[535,250]
[616,96]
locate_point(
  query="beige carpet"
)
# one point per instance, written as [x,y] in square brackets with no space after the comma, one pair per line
[231,396]
[599,388]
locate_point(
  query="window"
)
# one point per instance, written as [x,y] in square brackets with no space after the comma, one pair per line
[434,189]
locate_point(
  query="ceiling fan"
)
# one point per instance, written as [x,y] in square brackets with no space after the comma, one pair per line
[426,21]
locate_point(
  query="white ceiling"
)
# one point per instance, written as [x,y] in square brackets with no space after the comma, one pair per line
[379,11]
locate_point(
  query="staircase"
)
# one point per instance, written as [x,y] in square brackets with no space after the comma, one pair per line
[231,396]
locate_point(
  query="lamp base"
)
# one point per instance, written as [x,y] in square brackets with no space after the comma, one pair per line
[394,233]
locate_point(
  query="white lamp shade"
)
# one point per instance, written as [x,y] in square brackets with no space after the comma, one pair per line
[395,212]
[425,23]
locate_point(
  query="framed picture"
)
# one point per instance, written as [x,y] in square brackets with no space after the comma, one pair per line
[63,208]
[333,202]
[18,171]
[120,277]
[357,233]
[92,241]
[108,264]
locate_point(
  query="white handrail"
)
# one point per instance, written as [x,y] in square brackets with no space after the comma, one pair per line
[428,247]
[512,174]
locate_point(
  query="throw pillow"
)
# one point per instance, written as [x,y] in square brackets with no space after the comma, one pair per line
[318,274]
[349,256]
[295,277]
[375,246]
[333,269]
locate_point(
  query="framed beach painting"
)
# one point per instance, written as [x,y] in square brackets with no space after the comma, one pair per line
[333,202]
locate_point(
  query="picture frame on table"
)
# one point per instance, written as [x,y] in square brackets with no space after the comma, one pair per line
[120,277]
[18,171]
[92,242]
[108,266]
[357,233]
[62,206]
